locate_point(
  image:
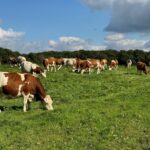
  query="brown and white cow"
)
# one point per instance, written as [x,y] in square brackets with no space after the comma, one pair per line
[113,65]
[82,66]
[95,64]
[104,63]
[29,67]
[141,67]
[53,63]
[26,85]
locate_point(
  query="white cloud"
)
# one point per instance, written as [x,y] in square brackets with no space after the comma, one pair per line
[127,15]
[9,34]
[119,41]
[10,39]
[73,43]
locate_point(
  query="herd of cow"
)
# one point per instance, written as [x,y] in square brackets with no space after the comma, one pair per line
[27,84]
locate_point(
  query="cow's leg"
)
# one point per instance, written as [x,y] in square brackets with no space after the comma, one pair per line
[51,68]
[98,70]
[55,68]
[25,102]
[78,70]
[89,69]
[82,71]
[47,67]
[59,67]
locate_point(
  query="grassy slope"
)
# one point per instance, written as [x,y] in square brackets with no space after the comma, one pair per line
[106,111]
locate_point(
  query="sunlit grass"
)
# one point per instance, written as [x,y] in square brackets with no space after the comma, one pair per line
[106,111]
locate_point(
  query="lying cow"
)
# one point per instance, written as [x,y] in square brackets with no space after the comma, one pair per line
[26,85]
[141,67]
[29,67]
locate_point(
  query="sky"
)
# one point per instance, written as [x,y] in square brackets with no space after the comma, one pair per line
[43,25]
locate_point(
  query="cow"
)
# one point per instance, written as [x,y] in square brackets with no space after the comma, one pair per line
[95,64]
[113,65]
[49,63]
[82,66]
[59,62]
[129,63]
[29,67]
[141,67]
[69,61]
[53,63]
[104,63]
[26,85]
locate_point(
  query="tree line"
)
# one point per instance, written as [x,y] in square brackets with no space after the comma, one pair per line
[122,55]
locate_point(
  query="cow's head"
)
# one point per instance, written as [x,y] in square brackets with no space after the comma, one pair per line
[48,102]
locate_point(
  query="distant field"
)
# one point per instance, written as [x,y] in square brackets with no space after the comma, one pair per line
[109,111]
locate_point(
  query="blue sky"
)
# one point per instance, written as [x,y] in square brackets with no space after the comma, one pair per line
[40,25]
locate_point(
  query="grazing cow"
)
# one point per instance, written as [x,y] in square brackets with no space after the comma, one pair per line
[104,63]
[95,64]
[82,66]
[113,65]
[141,67]
[12,61]
[29,67]
[49,63]
[129,63]
[59,62]
[53,63]
[69,61]
[26,85]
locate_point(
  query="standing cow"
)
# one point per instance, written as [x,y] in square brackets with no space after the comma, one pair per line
[26,85]
[129,63]
[53,63]
[29,67]
[141,67]
[113,65]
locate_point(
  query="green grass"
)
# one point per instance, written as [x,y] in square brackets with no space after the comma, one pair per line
[109,111]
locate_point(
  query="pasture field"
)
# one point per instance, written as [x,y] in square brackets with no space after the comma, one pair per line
[109,111]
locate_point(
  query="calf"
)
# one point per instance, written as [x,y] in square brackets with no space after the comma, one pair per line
[26,85]
[141,67]
[29,67]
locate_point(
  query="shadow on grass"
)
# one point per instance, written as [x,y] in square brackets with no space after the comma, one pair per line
[130,73]
[16,108]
